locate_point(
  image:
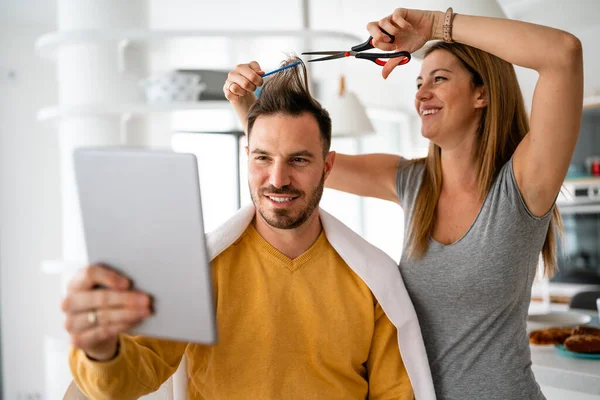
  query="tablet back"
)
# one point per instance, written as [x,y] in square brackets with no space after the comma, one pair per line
[142,216]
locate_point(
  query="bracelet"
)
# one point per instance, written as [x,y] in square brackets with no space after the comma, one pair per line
[448,25]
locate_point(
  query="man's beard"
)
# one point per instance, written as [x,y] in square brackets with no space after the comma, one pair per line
[281,218]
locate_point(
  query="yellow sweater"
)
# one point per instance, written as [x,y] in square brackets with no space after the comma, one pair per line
[303,328]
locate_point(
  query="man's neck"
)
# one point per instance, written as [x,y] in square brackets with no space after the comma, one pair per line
[291,242]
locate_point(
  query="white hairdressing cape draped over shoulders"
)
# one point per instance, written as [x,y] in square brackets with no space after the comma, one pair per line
[376,269]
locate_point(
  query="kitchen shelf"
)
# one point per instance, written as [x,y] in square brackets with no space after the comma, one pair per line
[46,45]
[50,113]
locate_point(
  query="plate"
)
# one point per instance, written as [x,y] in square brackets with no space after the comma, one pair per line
[563,351]
[556,319]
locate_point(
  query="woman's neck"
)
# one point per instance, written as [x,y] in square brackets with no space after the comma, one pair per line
[459,167]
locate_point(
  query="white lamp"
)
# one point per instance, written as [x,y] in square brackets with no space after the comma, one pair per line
[348,115]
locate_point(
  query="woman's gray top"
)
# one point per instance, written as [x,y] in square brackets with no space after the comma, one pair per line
[472,296]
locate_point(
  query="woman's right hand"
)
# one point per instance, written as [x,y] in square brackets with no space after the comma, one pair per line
[242,82]
[100,305]
[411,30]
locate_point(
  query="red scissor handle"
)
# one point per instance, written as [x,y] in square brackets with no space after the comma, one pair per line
[377,57]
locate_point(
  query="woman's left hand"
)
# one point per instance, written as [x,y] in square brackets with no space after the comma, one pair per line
[411,29]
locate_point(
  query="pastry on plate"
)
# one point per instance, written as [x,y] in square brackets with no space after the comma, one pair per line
[583,343]
[586,330]
[549,335]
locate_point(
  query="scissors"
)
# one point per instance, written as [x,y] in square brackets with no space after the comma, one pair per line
[357,50]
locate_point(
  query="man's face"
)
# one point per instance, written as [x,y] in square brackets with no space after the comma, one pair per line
[286,169]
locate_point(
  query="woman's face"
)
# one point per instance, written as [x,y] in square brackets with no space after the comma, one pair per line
[447,101]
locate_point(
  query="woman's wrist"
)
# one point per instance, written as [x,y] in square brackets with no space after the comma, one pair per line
[437,30]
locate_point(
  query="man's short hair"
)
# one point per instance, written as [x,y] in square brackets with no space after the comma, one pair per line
[287,93]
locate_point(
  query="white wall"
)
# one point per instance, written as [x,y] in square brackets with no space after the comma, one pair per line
[582,19]
[29,210]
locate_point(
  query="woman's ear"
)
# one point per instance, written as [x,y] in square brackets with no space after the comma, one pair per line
[481,99]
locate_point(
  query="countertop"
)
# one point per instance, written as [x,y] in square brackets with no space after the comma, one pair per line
[562,372]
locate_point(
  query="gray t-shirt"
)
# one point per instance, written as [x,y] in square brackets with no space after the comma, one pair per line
[472,296]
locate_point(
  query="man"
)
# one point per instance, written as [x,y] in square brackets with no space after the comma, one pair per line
[296,316]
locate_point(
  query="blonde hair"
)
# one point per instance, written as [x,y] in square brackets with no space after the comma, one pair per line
[504,123]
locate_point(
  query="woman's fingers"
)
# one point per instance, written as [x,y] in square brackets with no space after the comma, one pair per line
[256,67]
[229,95]
[241,86]
[380,39]
[410,28]
[398,19]
[243,80]
[390,65]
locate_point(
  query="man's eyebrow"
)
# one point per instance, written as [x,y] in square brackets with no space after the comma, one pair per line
[301,153]
[434,71]
[259,151]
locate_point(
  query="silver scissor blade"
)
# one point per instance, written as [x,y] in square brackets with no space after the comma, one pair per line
[315,53]
[328,58]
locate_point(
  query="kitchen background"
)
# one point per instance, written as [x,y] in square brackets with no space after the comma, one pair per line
[52,99]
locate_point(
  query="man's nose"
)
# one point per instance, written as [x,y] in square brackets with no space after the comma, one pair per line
[280,174]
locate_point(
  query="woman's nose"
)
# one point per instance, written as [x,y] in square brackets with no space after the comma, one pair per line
[423,93]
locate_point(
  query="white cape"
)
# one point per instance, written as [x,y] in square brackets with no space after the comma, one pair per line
[376,269]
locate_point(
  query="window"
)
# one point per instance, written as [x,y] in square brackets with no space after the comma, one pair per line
[200,133]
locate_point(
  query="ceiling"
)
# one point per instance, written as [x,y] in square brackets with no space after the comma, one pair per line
[574,16]
[570,15]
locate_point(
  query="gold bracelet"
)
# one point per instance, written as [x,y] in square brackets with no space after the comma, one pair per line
[448,25]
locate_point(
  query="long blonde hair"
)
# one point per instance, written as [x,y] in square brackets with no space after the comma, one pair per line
[504,123]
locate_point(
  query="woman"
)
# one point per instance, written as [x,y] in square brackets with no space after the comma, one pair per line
[479,208]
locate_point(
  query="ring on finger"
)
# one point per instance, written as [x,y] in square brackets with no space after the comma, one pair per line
[92,317]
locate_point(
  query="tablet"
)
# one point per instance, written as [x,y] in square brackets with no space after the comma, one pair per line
[142,216]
